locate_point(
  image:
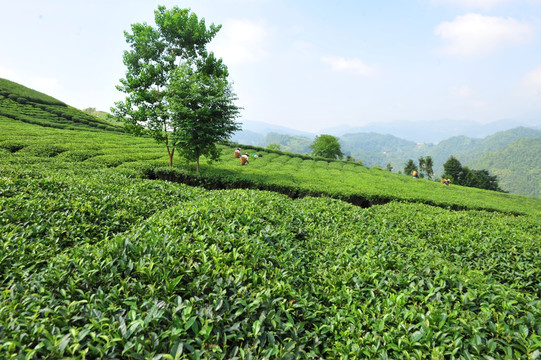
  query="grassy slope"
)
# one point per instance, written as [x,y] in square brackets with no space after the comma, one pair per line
[96,260]
[341,180]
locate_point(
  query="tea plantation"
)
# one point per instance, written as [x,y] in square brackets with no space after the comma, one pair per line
[308,259]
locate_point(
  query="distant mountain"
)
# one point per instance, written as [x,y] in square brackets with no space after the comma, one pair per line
[248,137]
[378,149]
[262,134]
[427,131]
[263,128]
[468,150]
[500,141]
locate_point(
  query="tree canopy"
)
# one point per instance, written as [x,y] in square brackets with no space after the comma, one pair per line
[326,146]
[410,167]
[452,169]
[160,64]
[426,165]
[202,108]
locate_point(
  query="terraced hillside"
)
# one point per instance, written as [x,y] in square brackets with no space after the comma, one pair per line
[299,176]
[99,258]
[20,103]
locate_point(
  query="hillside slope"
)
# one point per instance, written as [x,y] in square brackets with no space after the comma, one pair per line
[498,142]
[288,143]
[517,165]
[98,261]
[20,103]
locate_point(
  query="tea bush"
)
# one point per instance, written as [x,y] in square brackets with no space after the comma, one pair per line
[98,260]
[242,273]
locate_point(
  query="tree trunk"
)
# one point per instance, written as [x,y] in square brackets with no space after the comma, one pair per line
[171,152]
[197,168]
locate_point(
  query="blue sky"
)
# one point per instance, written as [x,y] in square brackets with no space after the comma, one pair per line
[307,65]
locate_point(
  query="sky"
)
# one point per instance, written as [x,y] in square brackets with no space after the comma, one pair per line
[304,64]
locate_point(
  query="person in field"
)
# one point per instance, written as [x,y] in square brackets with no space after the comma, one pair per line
[415,174]
[237,153]
[244,159]
[446,181]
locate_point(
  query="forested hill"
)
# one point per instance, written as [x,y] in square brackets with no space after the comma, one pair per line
[21,103]
[468,149]
[517,166]
[510,155]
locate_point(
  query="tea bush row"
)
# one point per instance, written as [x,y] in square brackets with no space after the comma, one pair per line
[97,262]
[357,184]
[277,172]
[61,117]
[242,273]
[44,212]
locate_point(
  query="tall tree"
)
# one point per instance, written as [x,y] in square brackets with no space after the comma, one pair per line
[479,179]
[202,108]
[326,146]
[453,169]
[429,167]
[487,181]
[422,170]
[155,53]
[410,167]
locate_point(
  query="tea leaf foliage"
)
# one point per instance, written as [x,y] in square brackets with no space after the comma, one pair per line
[101,258]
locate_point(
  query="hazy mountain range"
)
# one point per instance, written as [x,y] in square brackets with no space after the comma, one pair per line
[417,131]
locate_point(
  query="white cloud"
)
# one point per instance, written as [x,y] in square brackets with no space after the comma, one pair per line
[462,91]
[352,65]
[472,4]
[475,34]
[242,41]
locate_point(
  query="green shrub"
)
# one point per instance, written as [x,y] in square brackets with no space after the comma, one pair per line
[110,262]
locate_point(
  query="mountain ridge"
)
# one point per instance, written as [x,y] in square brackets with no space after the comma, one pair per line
[433,131]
